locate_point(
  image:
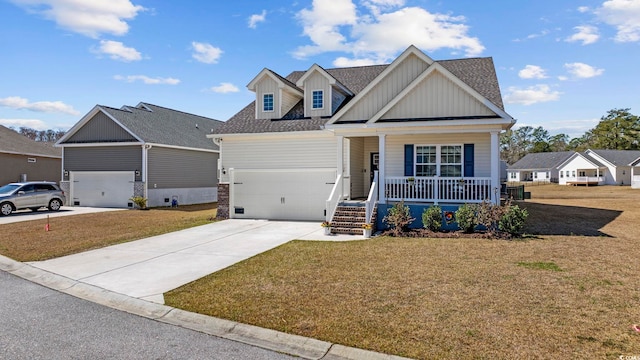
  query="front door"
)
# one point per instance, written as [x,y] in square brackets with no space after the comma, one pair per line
[374,164]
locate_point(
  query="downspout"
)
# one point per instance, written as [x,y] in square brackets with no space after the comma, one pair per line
[145,168]
[221,169]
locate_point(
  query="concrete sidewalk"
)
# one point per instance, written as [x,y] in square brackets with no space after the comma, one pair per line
[149,267]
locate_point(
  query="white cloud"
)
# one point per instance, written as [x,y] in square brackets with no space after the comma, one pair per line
[148,80]
[206,53]
[257,18]
[87,17]
[224,88]
[29,123]
[345,62]
[19,103]
[582,70]
[117,51]
[583,9]
[531,95]
[624,15]
[532,72]
[380,29]
[587,34]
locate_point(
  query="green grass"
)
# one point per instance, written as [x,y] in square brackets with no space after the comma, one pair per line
[540,265]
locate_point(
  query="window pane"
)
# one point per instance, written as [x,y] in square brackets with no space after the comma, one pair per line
[425,170]
[451,155]
[267,102]
[451,171]
[318,100]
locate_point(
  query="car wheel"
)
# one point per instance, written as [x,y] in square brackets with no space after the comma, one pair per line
[6,209]
[54,205]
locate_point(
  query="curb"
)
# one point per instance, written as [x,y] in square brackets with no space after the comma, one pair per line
[300,346]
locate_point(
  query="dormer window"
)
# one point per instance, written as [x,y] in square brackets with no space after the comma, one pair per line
[317,99]
[267,102]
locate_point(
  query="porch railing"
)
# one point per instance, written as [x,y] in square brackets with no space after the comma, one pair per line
[437,189]
[372,199]
[586,179]
[334,198]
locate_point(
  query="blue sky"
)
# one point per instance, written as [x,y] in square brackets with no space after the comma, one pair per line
[561,64]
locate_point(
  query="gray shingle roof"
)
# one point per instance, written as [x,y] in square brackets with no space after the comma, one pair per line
[15,143]
[619,157]
[541,161]
[165,126]
[478,73]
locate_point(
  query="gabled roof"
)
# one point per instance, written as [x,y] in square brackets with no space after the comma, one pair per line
[587,158]
[478,73]
[282,82]
[541,161]
[155,124]
[332,80]
[12,142]
[617,157]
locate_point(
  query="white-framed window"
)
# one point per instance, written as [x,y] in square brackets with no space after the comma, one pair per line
[438,160]
[548,174]
[573,173]
[512,175]
[582,173]
[561,174]
[317,99]
[535,175]
[267,102]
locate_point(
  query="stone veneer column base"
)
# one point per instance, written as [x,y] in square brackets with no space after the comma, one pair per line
[223,201]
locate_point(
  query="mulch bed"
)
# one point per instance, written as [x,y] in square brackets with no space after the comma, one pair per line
[425,233]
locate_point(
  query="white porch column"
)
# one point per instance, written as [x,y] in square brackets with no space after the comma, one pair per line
[495,167]
[381,168]
[340,162]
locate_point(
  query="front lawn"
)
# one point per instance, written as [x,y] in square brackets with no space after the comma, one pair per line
[28,240]
[569,290]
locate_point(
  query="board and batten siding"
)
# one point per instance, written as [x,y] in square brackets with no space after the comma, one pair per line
[100,128]
[289,100]
[278,153]
[103,158]
[315,82]
[180,168]
[268,86]
[394,160]
[437,96]
[387,89]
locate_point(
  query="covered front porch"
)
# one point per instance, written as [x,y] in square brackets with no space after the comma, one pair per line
[420,169]
[588,177]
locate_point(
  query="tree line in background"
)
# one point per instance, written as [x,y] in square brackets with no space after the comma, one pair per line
[41,135]
[618,130]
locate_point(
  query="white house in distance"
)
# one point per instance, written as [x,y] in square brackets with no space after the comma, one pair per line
[418,130]
[538,167]
[592,167]
[635,173]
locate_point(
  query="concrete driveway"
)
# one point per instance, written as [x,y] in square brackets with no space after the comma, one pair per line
[149,267]
[26,215]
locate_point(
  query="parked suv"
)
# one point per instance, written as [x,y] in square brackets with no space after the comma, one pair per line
[30,195]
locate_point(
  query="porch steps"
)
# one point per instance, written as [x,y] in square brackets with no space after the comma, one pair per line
[349,218]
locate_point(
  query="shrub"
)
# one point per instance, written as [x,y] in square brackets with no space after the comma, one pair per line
[488,215]
[513,219]
[432,218]
[398,218]
[466,217]
[140,202]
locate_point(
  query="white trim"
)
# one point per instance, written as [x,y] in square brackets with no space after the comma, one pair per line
[438,162]
[427,123]
[273,102]
[281,84]
[332,81]
[284,134]
[317,108]
[80,145]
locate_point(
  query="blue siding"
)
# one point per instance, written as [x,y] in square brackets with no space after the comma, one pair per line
[416,212]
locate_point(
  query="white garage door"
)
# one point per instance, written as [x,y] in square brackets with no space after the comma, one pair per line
[101,188]
[281,194]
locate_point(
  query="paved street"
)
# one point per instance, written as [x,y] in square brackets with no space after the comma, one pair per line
[40,323]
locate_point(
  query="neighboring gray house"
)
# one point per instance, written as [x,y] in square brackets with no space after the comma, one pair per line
[162,154]
[23,159]
[538,167]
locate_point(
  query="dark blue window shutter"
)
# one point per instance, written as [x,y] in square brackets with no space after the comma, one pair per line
[468,160]
[408,160]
